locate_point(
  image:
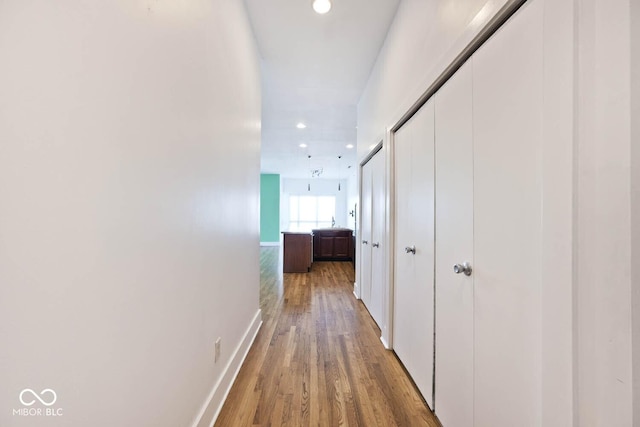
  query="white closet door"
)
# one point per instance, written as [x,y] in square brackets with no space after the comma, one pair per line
[454,245]
[377,237]
[364,281]
[507,123]
[413,325]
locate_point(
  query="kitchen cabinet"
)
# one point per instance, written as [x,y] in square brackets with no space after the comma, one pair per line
[332,244]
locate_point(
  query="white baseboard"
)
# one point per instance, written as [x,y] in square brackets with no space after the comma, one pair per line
[212,406]
[356,290]
[269,243]
[384,343]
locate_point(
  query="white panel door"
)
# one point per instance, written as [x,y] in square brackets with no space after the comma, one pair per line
[507,125]
[364,281]
[413,325]
[378,240]
[454,245]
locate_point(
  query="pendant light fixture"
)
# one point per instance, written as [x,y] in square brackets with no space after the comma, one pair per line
[309,182]
[339,171]
[321,6]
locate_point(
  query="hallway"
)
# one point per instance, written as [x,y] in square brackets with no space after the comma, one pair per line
[317,359]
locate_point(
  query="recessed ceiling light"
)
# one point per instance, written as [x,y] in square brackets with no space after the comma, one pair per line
[303,145]
[321,6]
[349,146]
[301,125]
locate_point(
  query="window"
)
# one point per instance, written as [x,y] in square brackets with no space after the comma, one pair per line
[309,212]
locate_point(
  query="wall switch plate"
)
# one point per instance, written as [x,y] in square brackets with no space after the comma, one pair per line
[217,351]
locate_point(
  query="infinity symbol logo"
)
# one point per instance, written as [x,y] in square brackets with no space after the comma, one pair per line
[42,393]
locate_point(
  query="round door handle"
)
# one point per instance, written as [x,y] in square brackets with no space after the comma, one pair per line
[410,250]
[375,245]
[462,268]
[364,242]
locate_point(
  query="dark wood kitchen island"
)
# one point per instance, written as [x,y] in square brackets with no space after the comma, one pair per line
[297,252]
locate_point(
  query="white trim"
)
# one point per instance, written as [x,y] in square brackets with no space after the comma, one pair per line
[389,250]
[356,290]
[221,389]
[385,344]
[269,243]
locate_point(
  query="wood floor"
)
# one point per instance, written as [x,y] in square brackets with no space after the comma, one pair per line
[318,359]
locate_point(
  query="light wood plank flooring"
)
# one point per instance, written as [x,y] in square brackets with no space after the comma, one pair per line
[318,359]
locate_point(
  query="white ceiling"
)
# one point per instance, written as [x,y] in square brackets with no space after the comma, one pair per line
[314,69]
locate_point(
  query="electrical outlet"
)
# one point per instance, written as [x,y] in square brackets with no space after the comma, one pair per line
[217,355]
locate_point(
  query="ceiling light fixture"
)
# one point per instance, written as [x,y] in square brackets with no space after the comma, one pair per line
[303,145]
[321,6]
[301,125]
[349,146]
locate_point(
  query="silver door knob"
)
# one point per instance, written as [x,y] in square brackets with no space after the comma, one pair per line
[410,249]
[462,268]
[364,242]
[375,245]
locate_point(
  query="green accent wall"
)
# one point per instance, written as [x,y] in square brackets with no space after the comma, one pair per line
[269,208]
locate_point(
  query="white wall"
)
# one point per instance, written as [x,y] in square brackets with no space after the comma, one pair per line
[319,187]
[635,201]
[423,39]
[129,186]
[603,222]
[352,199]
